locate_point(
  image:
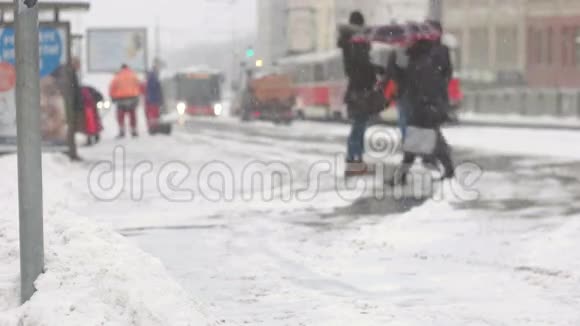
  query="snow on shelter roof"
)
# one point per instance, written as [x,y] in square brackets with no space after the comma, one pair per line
[61,5]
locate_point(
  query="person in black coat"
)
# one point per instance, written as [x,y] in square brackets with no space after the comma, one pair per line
[423,86]
[425,83]
[70,88]
[362,77]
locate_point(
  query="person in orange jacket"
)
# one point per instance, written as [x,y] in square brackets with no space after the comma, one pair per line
[125,90]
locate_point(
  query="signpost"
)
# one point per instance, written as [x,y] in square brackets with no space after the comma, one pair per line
[27,62]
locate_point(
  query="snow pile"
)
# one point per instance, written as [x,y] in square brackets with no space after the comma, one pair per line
[93,275]
[415,230]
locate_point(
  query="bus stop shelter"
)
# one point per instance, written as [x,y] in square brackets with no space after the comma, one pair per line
[37,107]
[56,45]
[54,7]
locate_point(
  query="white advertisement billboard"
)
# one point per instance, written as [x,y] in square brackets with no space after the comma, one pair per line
[109,48]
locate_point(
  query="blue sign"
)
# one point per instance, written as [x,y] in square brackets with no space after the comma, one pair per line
[51,49]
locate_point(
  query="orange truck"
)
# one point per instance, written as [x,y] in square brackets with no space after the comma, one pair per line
[272,99]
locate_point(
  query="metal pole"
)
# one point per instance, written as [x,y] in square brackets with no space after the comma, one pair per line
[436,10]
[29,145]
[233,47]
[157,38]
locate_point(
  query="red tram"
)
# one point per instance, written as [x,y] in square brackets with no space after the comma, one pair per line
[320,82]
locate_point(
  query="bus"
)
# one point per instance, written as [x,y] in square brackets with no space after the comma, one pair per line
[195,91]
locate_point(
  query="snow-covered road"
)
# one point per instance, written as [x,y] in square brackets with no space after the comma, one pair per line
[314,252]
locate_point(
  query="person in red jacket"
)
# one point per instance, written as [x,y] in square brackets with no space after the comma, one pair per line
[92,121]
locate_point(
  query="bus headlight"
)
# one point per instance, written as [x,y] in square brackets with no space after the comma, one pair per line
[103,105]
[181,108]
[218,109]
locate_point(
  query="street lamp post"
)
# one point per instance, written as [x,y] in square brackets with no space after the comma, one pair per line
[436,10]
[231,4]
[29,145]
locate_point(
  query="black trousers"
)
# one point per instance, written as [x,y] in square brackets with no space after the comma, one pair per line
[442,154]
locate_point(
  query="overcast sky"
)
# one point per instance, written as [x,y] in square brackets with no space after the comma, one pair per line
[182,21]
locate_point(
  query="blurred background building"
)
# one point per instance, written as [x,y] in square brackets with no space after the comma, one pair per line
[516,42]
[290,27]
[497,43]
[272,29]
[490,37]
[553,43]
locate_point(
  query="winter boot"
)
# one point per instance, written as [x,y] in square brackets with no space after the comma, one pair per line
[398,180]
[431,163]
[357,168]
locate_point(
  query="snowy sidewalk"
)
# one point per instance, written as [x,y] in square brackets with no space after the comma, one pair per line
[509,258]
[330,261]
[93,275]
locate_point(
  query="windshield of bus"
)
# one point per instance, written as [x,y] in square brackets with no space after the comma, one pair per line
[198,89]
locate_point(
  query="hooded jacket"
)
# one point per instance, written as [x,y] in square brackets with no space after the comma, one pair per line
[356,48]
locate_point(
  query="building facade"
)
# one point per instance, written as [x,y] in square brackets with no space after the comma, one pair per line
[553,43]
[290,27]
[491,39]
[272,43]
[311,25]
[516,42]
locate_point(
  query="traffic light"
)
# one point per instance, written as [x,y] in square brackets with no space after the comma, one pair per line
[250,53]
[259,63]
